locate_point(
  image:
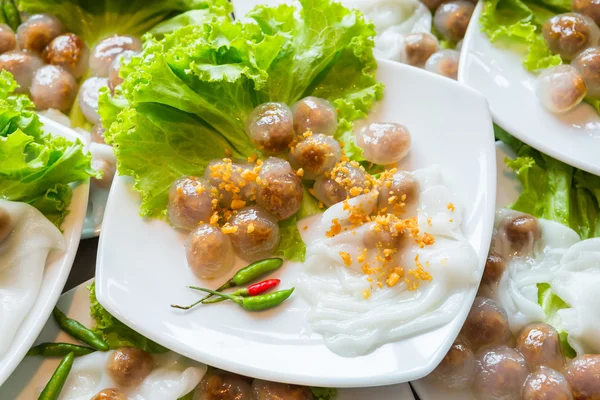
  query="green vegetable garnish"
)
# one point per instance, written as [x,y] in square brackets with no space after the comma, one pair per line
[554,190]
[36,167]
[189,95]
[116,333]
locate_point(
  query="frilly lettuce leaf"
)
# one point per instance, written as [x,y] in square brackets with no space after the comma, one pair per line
[116,333]
[518,24]
[186,99]
[94,20]
[36,167]
[554,190]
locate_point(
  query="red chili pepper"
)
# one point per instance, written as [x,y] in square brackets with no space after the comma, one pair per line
[261,287]
[250,291]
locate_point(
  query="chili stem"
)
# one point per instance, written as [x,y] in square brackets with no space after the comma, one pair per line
[213,292]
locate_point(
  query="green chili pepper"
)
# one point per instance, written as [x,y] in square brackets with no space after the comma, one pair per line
[255,303]
[79,331]
[59,350]
[2,16]
[58,379]
[11,13]
[250,273]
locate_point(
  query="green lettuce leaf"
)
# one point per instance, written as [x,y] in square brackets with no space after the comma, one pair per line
[94,20]
[36,167]
[554,190]
[116,333]
[517,23]
[323,393]
[291,246]
[186,99]
[551,304]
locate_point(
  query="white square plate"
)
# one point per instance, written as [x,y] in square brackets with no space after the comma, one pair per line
[498,73]
[141,266]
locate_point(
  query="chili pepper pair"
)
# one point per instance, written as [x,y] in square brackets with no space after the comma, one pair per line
[250,298]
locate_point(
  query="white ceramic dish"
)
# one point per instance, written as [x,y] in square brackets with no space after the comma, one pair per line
[58,266]
[508,189]
[33,372]
[498,73]
[141,267]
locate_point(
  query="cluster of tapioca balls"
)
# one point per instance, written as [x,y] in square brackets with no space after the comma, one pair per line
[575,37]
[47,62]
[493,364]
[237,204]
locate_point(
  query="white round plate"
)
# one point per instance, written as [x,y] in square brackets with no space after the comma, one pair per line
[58,266]
[498,73]
[32,374]
[508,189]
[141,267]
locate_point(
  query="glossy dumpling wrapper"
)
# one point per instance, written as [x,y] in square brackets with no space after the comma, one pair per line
[517,290]
[570,266]
[401,16]
[23,256]
[576,281]
[354,323]
[173,376]
[393,20]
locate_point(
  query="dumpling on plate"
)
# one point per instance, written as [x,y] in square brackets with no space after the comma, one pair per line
[27,239]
